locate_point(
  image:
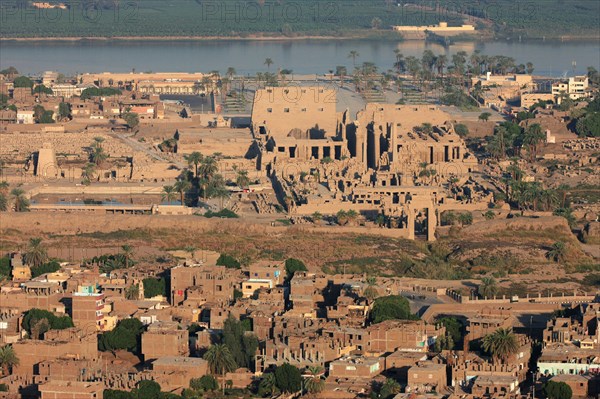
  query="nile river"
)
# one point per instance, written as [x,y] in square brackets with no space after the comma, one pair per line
[247,57]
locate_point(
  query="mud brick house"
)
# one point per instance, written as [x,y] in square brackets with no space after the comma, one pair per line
[165,339]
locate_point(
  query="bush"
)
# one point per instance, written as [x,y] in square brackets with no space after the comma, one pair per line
[229,262]
[224,213]
[204,383]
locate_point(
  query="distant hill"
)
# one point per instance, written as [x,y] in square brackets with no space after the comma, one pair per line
[240,18]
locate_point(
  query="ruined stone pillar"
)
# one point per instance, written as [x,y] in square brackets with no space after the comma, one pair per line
[410,221]
[431,223]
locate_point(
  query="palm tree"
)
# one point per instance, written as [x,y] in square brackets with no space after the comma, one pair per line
[168,194]
[533,136]
[36,253]
[195,158]
[399,64]
[501,344]
[440,63]
[269,383]
[182,186]
[391,387]
[3,202]
[558,252]
[371,292]
[220,360]
[132,292]
[242,179]
[21,202]
[313,382]
[127,253]
[354,55]
[208,167]
[8,359]
[549,198]
[488,287]
[191,250]
[268,63]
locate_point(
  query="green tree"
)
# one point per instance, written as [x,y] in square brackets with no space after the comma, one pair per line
[182,186]
[132,119]
[484,116]
[566,213]
[454,329]
[97,153]
[21,202]
[39,89]
[168,194]
[354,55]
[314,382]
[34,315]
[461,129]
[23,81]
[128,253]
[48,267]
[64,110]
[371,292]
[465,218]
[557,390]
[558,252]
[268,62]
[154,287]
[132,292]
[288,378]
[292,266]
[195,158]
[8,359]
[220,361]
[204,383]
[488,287]
[228,261]
[36,253]
[241,345]
[389,389]
[501,344]
[126,335]
[147,389]
[242,179]
[267,385]
[390,308]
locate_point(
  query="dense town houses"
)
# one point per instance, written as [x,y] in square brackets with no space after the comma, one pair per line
[454,312]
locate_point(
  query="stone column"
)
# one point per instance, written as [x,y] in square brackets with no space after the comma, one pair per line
[410,220]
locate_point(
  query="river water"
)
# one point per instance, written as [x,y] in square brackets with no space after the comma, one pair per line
[247,57]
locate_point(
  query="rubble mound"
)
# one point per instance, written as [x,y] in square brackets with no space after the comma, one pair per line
[555,223]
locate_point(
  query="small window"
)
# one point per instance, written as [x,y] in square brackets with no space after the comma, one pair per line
[303,109]
[321,109]
[269,110]
[286,110]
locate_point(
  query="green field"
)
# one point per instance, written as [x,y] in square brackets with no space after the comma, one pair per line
[239,18]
